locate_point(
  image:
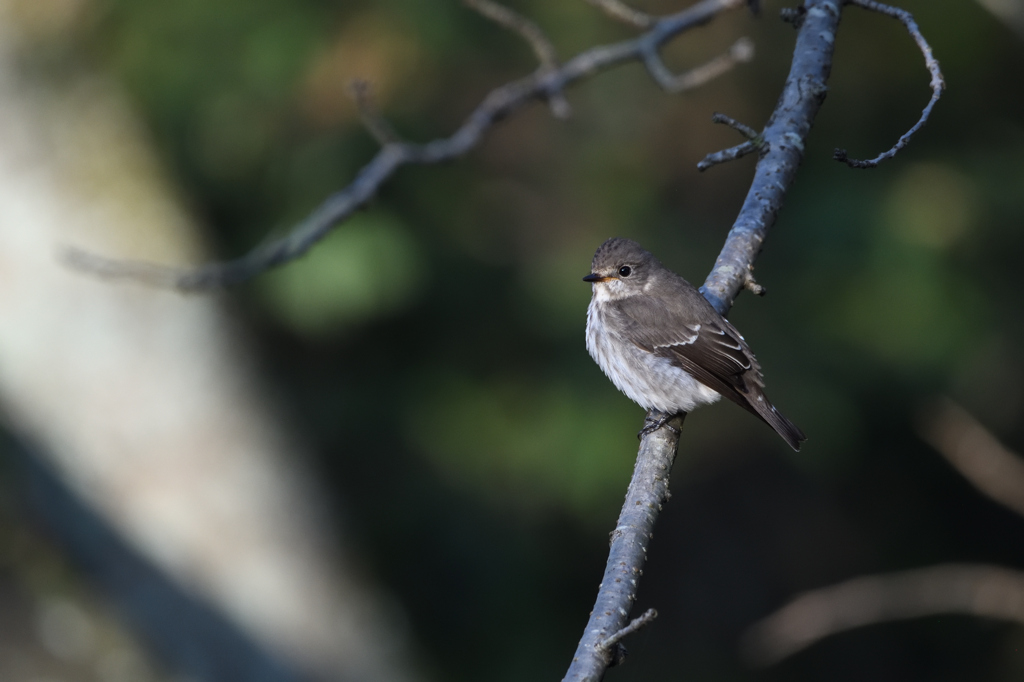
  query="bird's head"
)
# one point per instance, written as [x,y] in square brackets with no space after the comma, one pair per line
[621,268]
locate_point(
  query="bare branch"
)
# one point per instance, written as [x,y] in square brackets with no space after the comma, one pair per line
[741,51]
[784,136]
[624,13]
[647,492]
[974,452]
[973,590]
[532,33]
[501,102]
[381,130]
[937,83]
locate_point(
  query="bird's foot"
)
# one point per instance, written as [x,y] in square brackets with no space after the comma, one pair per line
[655,420]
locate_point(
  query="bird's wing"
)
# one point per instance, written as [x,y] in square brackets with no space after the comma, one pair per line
[708,348]
[694,337]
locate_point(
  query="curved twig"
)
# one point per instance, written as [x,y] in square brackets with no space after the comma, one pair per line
[500,103]
[937,83]
[743,129]
[973,590]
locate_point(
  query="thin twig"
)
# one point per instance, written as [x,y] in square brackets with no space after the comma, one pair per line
[730,154]
[532,34]
[743,129]
[741,51]
[937,83]
[516,22]
[974,452]
[624,13]
[634,625]
[500,103]
[973,590]
[751,285]
[755,142]
[379,128]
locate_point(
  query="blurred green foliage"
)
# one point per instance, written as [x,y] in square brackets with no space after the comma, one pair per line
[432,348]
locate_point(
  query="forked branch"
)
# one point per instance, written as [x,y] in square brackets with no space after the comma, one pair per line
[500,103]
[532,34]
[755,142]
[741,51]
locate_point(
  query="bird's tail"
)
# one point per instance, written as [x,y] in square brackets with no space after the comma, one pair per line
[760,405]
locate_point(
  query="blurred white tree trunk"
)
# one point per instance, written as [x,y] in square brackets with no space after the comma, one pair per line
[140,398]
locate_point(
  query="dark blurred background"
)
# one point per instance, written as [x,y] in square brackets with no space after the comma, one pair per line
[430,352]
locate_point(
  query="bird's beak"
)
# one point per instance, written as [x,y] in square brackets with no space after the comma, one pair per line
[596,278]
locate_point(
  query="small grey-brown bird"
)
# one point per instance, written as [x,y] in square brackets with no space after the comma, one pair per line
[664,346]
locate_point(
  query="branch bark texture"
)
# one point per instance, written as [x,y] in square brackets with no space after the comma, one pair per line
[648,490]
[647,493]
[784,137]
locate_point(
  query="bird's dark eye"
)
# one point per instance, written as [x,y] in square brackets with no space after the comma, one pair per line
[625,271]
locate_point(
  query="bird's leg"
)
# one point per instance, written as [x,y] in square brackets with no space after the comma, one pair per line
[654,420]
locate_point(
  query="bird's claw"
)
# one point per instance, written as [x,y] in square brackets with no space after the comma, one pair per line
[654,421]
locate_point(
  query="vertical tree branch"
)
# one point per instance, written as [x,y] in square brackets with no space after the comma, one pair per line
[648,490]
[784,135]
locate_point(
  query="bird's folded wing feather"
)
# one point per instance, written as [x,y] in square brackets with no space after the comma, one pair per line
[712,351]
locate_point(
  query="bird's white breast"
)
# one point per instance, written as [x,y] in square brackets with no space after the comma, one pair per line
[647,379]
